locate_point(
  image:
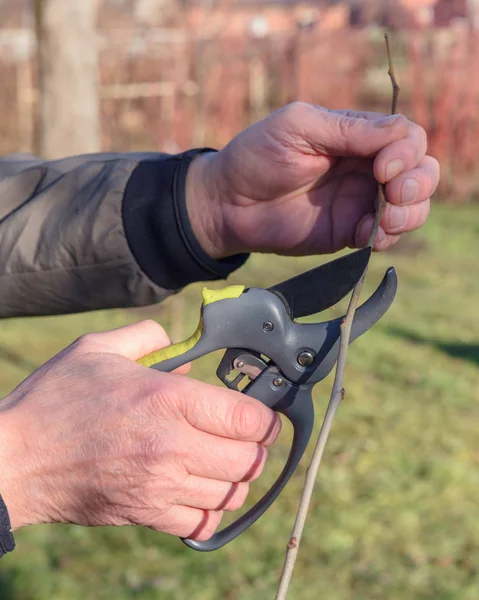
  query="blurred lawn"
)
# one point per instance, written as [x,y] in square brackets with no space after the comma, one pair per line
[395,512]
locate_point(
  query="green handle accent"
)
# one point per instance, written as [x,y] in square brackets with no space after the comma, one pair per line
[209,296]
[172,351]
[231,291]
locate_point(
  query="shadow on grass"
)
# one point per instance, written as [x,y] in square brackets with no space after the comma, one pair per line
[468,352]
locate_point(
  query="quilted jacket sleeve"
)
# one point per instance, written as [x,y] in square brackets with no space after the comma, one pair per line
[97,231]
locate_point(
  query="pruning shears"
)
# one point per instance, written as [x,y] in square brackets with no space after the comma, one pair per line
[279,359]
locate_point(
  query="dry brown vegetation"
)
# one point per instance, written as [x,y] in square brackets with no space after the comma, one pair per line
[170,88]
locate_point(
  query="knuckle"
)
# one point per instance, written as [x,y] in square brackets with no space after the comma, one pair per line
[161,520]
[247,421]
[347,124]
[85,342]
[164,392]
[420,137]
[239,497]
[152,324]
[156,331]
[296,109]
[257,466]
[213,520]
[243,464]
[274,430]
[424,213]
[433,164]
[277,429]
[162,490]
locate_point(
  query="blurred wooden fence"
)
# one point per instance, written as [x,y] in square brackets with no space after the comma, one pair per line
[162,89]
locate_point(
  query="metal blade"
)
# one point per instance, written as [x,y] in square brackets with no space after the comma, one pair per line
[322,287]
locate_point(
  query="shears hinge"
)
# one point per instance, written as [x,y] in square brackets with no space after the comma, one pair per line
[242,364]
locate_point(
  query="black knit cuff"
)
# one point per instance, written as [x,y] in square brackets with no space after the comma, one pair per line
[7,542]
[158,229]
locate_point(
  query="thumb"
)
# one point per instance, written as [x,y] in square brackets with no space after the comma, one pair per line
[341,133]
[132,341]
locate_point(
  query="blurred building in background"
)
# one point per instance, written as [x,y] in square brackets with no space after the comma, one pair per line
[173,74]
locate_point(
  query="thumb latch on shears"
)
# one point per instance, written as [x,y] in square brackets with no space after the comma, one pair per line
[254,323]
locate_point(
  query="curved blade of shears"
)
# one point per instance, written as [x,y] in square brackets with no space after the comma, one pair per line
[322,287]
[365,317]
[374,308]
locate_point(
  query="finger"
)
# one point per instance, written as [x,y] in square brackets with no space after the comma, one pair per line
[227,413]
[393,240]
[209,456]
[336,134]
[382,241]
[363,232]
[353,165]
[132,341]
[360,114]
[187,522]
[388,241]
[401,155]
[183,370]
[399,219]
[211,494]
[416,185]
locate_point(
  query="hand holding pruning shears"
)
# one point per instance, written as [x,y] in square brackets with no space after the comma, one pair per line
[281,359]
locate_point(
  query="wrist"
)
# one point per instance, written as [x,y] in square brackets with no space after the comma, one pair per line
[204,205]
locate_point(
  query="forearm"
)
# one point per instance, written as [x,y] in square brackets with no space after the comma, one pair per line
[97,231]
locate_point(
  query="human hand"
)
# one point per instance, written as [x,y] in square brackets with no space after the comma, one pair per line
[94,438]
[304,181]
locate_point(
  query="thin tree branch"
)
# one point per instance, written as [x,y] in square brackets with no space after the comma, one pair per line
[394,83]
[381,203]
[337,393]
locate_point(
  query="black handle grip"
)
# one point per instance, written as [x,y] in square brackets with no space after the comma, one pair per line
[295,402]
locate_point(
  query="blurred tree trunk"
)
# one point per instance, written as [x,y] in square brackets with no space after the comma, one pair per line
[69,105]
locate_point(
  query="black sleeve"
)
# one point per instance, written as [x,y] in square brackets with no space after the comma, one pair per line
[158,229]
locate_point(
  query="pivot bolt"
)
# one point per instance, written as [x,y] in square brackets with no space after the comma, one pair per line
[268,326]
[240,364]
[305,358]
[278,381]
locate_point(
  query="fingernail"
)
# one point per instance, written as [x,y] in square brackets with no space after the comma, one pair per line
[397,217]
[387,121]
[380,236]
[393,168]
[410,189]
[364,230]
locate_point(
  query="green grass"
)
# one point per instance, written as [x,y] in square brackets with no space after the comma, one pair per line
[395,510]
